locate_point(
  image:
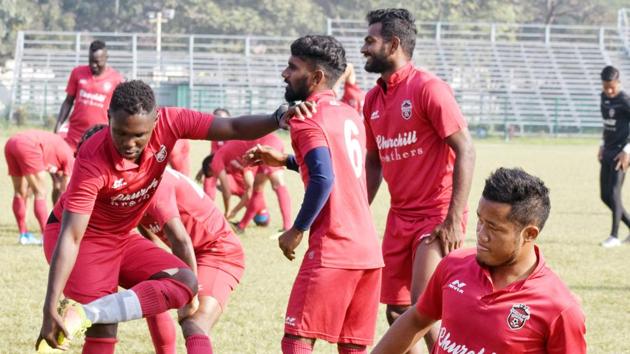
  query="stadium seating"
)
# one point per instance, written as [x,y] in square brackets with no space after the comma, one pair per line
[527,78]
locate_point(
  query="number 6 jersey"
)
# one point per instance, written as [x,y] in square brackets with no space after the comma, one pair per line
[343,234]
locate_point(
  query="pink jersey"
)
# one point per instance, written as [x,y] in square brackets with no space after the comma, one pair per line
[407,121]
[54,155]
[179,196]
[342,235]
[116,191]
[229,157]
[534,315]
[353,96]
[92,95]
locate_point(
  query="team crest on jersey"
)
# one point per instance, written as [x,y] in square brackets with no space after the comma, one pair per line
[611,112]
[161,155]
[405,109]
[107,86]
[519,314]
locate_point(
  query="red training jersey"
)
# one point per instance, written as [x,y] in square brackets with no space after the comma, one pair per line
[92,95]
[179,196]
[342,235]
[538,314]
[353,96]
[116,191]
[57,155]
[407,120]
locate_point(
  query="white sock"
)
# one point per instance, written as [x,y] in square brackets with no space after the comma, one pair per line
[120,307]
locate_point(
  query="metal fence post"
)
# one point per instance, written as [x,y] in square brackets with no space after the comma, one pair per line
[329,26]
[134,56]
[438,31]
[77,49]
[602,47]
[191,67]
[17,67]
[547,35]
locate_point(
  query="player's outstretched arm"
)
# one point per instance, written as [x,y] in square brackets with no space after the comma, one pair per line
[72,229]
[64,112]
[261,154]
[373,173]
[404,333]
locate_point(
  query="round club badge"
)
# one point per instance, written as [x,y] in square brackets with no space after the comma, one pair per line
[519,314]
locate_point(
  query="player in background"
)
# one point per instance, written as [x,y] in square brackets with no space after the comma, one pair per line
[352,93]
[30,155]
[210,183]
[94,248]
[186,219]
[614,151]
[500,297]
[179,158]
[335,294]
[418,141]
[89,92]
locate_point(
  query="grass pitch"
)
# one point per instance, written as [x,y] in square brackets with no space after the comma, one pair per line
[253,322]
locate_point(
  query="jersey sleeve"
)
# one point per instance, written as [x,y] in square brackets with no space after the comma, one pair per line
[163,206]
[370,142]
[307,135]
[430,303]
[83,188]
[71,88]
[352,95]
[190,124]
[567,333]
[441,109]
[217,164]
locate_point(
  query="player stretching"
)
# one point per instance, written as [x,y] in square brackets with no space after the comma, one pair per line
[94,247]
[614,153]
[187,220]
[30,154]
[418,141]
[335,294]
[89,90]
[501,297]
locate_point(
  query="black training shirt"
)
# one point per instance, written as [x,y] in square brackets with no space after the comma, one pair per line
[616,115]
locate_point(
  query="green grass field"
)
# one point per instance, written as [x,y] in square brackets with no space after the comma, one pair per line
[253,322]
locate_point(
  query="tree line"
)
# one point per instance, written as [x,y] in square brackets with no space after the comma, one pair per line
[277,17]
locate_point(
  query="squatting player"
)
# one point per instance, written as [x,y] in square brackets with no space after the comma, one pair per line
[335,294]
[210,183]
[614,152]
[418,141]
[89,91]
[501,297]
[188,221]
[30,155]
[89,237]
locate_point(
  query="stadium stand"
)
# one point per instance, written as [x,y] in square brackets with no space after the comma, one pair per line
[525,78]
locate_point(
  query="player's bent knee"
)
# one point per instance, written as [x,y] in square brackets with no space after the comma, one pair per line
[394,311]
[100,330]
[184,276]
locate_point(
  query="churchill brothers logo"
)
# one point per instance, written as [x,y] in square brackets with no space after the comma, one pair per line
[519,314]
[405,109]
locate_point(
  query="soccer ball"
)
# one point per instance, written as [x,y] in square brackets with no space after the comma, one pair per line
[262,218]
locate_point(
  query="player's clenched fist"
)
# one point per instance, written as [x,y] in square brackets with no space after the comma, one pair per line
[289,241]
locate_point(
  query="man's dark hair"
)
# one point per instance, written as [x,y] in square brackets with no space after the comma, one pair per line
[526,194]
[221,109]
[97,45]
[396,22]
[324,52]
[610,73]
[134,97]
[205,164]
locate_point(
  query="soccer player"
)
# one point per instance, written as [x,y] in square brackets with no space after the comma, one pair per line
[187,220]
[210,183]
[335,294]
[418,141]
[179,158]
[352,93]
[30,155]
[614,152]
[89,91]
[89,238]
[500,297]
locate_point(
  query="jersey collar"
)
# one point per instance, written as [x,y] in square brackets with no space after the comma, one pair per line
[517,285]
[396,77]
[318,96]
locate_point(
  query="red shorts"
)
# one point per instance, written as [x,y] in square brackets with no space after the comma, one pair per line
[336,305]
[403,234]
[105,262]
[268,170]
[24,157]
[220,268]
